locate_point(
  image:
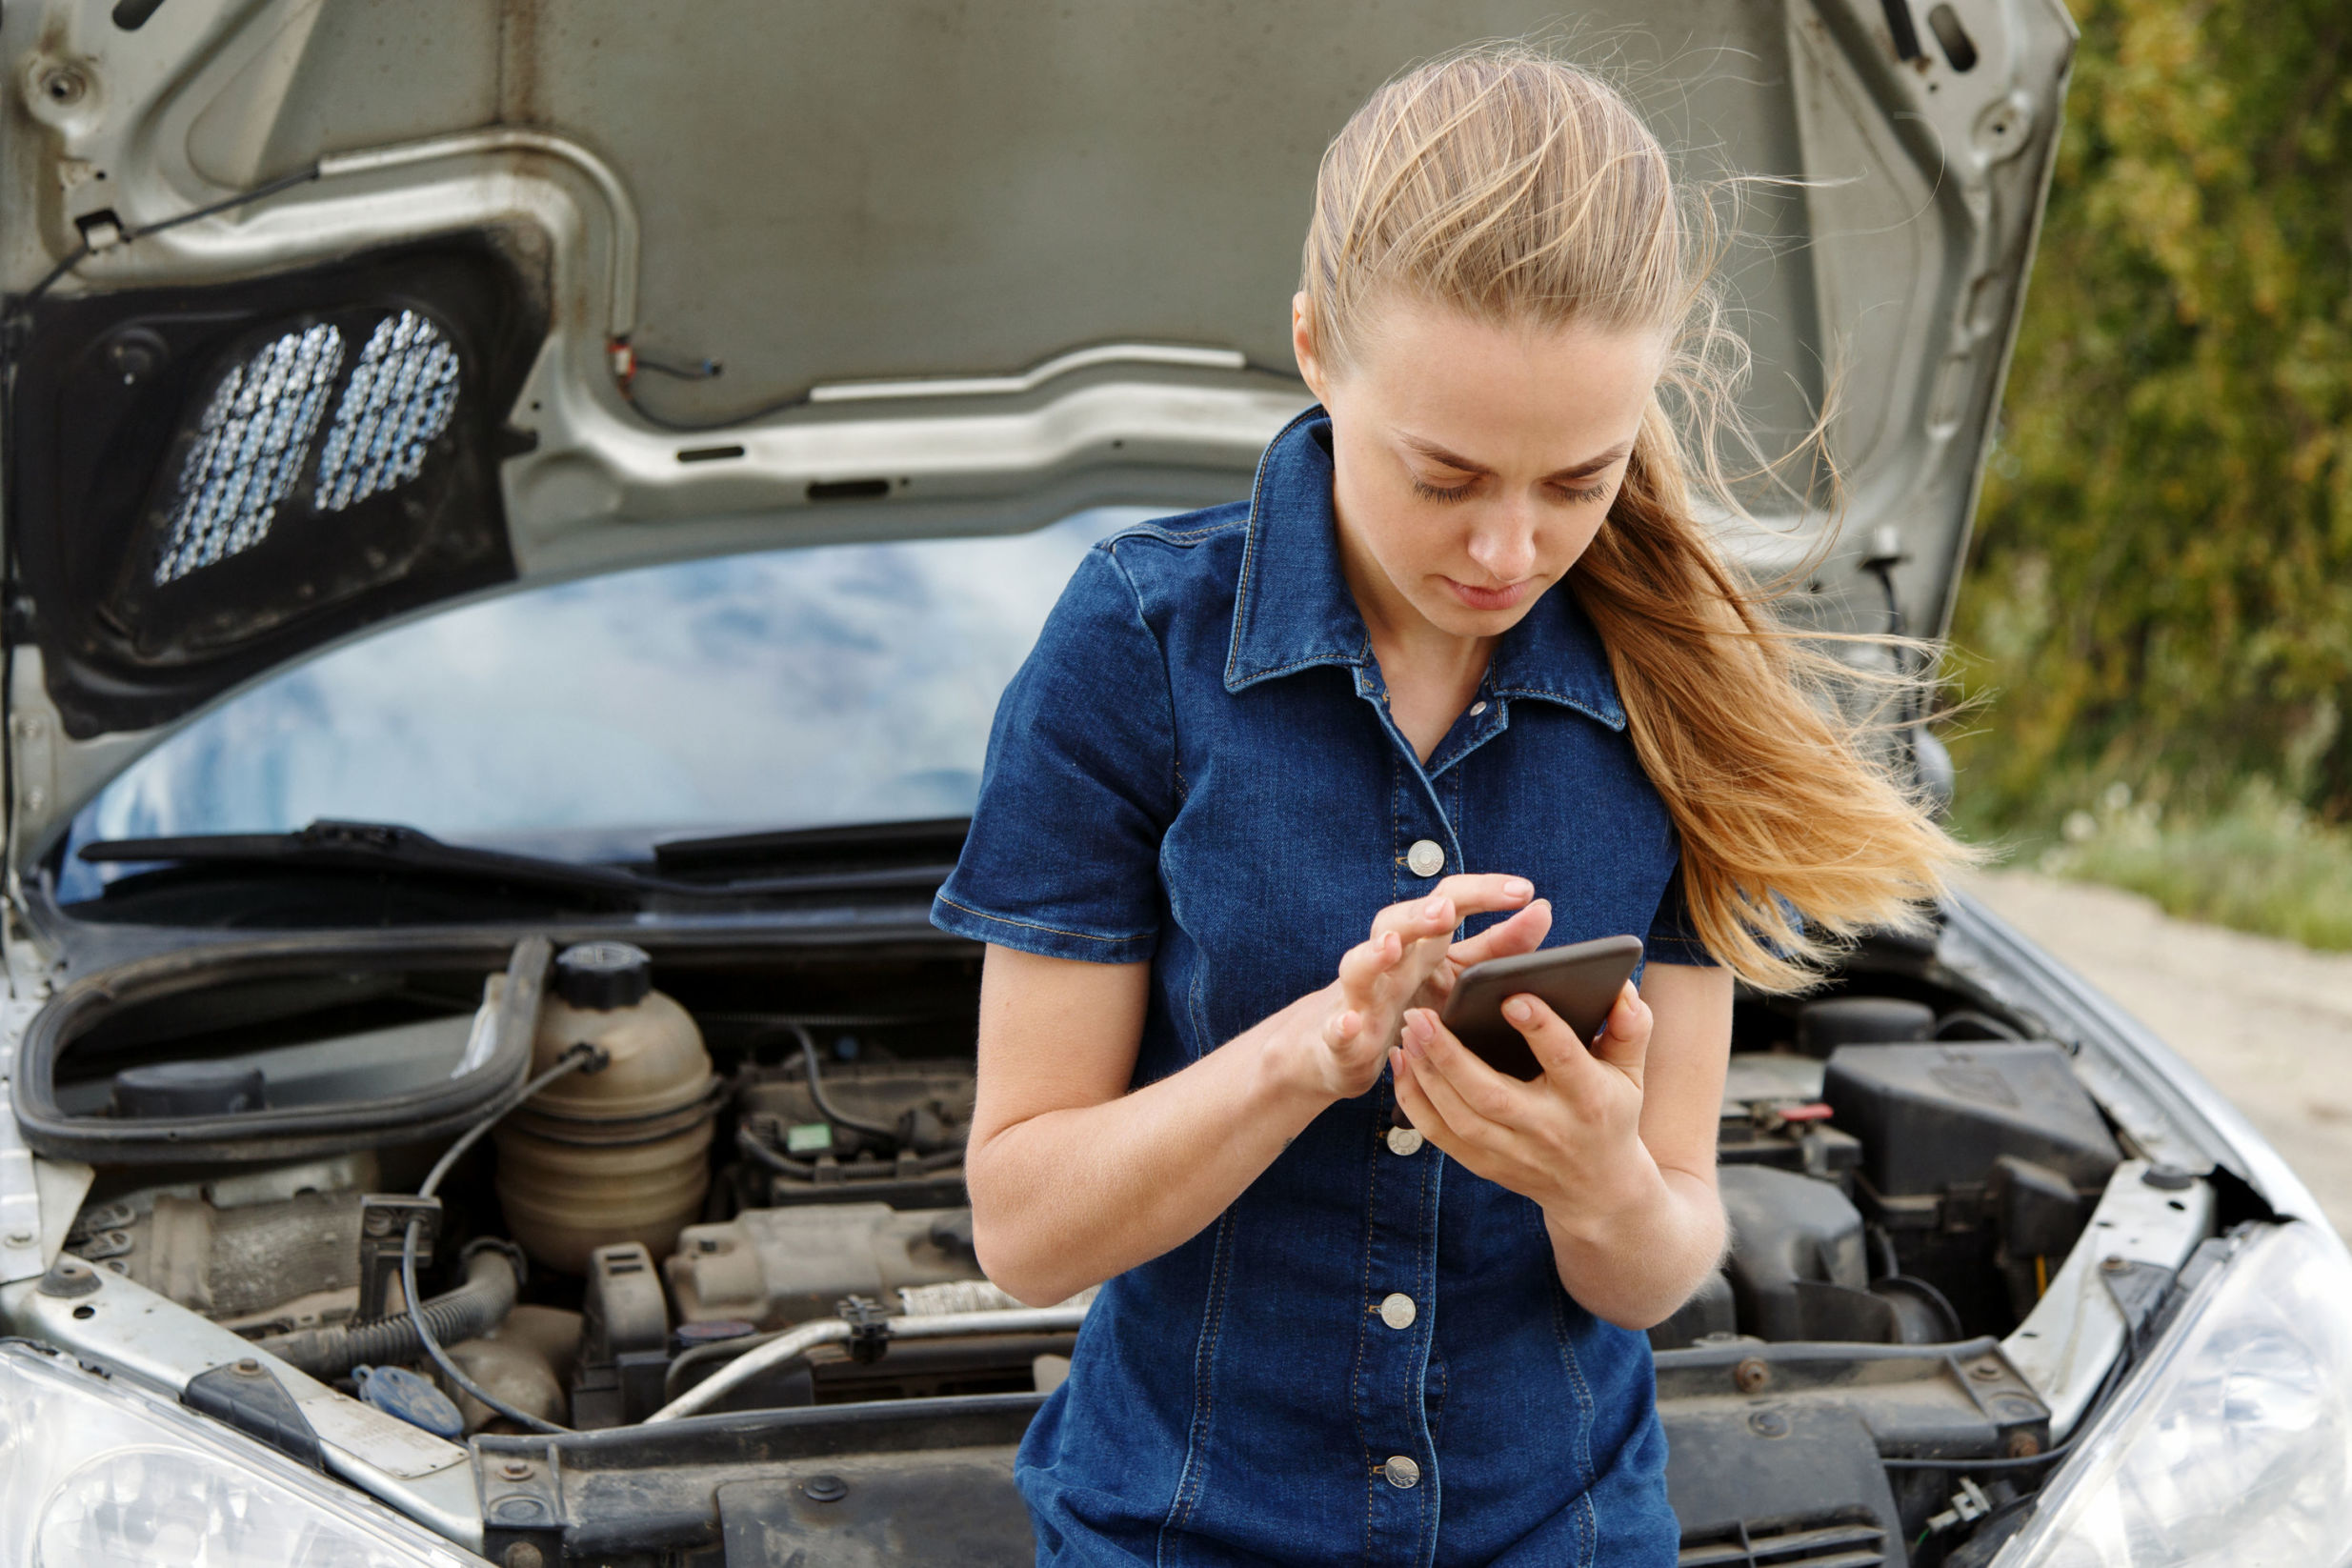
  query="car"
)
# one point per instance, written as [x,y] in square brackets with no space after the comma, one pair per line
[517,518]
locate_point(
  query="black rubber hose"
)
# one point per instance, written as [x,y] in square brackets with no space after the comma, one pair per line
[816,1092]
[582,1058]
[673,1381]
[469,1311]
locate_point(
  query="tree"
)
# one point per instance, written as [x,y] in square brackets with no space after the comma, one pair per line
[2160,587]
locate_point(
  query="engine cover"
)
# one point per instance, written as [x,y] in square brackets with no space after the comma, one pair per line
[777,1266]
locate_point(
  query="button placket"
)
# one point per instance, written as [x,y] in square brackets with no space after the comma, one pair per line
[1394,1345]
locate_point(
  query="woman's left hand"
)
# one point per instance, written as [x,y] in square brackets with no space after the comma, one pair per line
[1570,1138]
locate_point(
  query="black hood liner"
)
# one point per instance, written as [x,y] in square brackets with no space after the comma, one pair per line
[106,392]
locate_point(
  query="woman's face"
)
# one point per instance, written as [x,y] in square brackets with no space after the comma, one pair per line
[1474,463]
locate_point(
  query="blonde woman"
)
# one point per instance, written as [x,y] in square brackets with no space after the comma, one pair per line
[1465,678]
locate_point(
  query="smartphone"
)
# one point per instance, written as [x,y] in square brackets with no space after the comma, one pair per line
[1580,981]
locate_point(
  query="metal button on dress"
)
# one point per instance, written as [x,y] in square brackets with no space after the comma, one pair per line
[1401,1472]
[1397,1310]
[1477,708]
[1426,857]
[1403,1140]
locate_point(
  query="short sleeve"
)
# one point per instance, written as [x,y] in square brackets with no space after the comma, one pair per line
[1674,936]
[1063,855]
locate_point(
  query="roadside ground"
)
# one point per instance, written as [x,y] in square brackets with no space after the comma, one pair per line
[2268,1023]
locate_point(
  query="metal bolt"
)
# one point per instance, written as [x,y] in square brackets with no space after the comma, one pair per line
[522,1554]
[246,1366]
[1752,1376]
[825,1488]
[1985,1371]
[2112,1264]
[379,1223]
[22,1238]
[134,360]
[64,84]
[516,1470]
[1768,1424]
[2023,1445]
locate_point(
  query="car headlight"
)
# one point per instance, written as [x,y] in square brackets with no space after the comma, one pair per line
[2234,1443]
[94,1474]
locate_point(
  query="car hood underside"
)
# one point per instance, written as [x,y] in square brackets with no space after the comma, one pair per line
[629,283]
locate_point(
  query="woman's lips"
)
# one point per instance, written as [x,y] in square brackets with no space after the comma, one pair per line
[1490,598]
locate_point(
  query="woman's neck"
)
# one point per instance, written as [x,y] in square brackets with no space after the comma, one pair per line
[1431,674]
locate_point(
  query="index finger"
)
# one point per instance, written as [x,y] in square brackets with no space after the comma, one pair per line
[1482,894]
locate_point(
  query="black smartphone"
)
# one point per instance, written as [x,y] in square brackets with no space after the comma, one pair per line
[1580,981]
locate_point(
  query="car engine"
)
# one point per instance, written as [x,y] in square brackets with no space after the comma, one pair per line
[737,1192]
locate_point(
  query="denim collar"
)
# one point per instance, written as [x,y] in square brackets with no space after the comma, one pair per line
[1292,611]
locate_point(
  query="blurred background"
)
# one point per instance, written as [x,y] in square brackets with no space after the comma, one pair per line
[2156,626]
[2158,612]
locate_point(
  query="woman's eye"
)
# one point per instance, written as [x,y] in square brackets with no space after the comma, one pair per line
[1438,493]
[1584,492]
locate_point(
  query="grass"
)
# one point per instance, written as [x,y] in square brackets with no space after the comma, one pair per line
[2262,865]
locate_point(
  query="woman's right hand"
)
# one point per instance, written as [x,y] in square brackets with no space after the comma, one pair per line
[1348,1028]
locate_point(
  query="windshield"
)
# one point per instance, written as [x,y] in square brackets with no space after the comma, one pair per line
[785,689]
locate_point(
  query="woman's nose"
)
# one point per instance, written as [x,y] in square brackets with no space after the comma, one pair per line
[1505,544]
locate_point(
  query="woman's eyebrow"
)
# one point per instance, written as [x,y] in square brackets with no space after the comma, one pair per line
[1576,470]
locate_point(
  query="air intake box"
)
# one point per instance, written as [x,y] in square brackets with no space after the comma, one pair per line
[1931,1116]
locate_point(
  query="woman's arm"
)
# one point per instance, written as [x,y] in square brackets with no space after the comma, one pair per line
[1617,1143]
[1073,1178]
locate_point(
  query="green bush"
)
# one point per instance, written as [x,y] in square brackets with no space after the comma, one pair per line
[2160,587]
[2261,864]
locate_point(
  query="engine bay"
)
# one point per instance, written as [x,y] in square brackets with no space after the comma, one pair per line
[736,1192]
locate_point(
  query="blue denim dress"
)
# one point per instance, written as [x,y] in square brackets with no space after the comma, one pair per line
[1369,1357]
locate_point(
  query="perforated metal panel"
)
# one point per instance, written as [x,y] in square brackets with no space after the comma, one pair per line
[247,449]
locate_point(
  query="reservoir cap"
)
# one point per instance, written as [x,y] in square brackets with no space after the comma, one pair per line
[396,1391]
[603,976]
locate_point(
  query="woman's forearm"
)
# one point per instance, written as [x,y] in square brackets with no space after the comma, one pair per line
[1067,1198]
[1636,1263]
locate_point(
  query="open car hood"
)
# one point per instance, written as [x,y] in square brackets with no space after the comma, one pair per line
[961,269]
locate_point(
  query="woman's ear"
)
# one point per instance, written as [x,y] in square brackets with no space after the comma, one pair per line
[1302,345]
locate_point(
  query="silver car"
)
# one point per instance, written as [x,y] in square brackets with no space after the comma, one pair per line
[518,516]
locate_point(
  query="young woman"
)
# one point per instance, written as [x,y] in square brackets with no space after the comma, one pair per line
[1465,678]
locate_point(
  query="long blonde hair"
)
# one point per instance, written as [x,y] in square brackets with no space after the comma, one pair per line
[1520,188]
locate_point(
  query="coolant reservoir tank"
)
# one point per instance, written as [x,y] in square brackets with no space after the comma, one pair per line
[621,1154]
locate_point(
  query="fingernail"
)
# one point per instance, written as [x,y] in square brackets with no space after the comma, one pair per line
[1517,886]
[1434,908]
[1346,1024]
[1415,1034]
[1517,1010]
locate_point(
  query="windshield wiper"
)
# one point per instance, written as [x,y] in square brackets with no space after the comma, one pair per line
[903,851]
[877,857]
[377,847]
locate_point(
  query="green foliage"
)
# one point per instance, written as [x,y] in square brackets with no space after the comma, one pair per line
[2161,589]
[2259,864]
